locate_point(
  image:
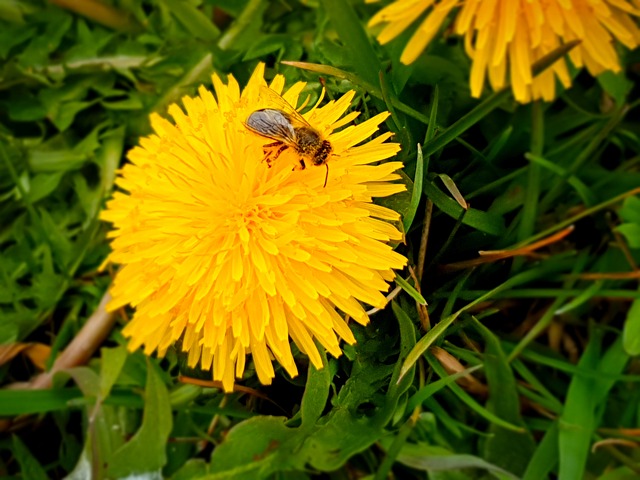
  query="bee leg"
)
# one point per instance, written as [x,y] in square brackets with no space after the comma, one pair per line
[269,155]
[326,177]
[302,165]
[282,148]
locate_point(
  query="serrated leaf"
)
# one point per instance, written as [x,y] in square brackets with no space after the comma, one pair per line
[146,451]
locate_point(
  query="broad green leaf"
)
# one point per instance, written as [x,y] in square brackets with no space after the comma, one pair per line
[9,332]
[316,393]
[145,452]
[355,39]
[616,85]
[254,449]
[630,210]
[193,20]
[42,185]
[631,232]
[193,469]
[112,362]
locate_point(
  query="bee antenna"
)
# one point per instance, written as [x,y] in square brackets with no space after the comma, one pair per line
[326,177]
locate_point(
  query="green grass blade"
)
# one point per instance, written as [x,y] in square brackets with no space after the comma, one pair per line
[545,457]
[434,387]
[577,421]
[585,193]
[483,221]
[468,400]
[504,401]
[416,194]
[407,287]
[20,402]
[432,335]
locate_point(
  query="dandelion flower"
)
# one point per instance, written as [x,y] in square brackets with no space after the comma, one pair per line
[505,37]
[233,257]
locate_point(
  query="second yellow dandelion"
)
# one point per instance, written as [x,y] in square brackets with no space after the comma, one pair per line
[505,37]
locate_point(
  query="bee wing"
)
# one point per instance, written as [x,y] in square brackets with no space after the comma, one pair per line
[279,102]
[273,124]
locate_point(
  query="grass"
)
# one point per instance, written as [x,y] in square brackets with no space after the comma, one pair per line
[522,228]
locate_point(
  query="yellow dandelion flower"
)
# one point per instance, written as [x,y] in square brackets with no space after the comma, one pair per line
[234,257]
[505,37]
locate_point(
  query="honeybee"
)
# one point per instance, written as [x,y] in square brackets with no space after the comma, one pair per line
[289,129]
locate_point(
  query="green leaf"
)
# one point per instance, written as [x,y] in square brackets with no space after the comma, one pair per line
[30,468]
[9,332]
[47,41]
[42,185]
[615,84]
[631,232]
[354,39]
[194,468]
[146,451]
[193,20]
[630,210]
[266,45]
[64,115]
[316,393]
[112,362]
